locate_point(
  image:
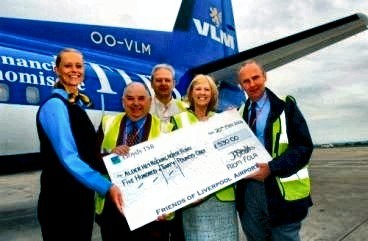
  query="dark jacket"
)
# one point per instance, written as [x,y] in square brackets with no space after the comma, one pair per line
[294,158]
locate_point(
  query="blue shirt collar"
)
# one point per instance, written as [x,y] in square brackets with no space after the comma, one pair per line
[61,92]
[261,101]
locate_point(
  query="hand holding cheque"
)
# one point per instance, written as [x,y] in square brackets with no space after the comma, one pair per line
[160,176]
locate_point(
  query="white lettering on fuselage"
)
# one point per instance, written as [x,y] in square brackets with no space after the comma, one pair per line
[40,78]
[217,34]
[131,45]
[101,75]
[46,77]
[27,63]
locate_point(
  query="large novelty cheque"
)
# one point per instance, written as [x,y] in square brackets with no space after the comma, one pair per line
[160,176]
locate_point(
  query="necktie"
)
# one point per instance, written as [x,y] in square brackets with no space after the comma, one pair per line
[253,117]
[132,137]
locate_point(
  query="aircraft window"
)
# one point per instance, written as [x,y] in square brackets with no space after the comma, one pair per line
[4,92]
[32,95]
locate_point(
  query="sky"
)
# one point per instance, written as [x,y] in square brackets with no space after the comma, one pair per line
[330,85]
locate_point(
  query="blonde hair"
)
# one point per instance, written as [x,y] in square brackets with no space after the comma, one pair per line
[214,92]
[65,50]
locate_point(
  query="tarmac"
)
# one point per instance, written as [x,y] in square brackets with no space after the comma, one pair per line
[339,192]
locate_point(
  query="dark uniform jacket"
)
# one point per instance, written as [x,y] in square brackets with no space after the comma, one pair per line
[63,200]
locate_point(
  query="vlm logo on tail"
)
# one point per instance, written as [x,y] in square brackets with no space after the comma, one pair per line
[214,31]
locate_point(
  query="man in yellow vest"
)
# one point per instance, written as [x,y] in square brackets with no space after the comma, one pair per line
[117,133]
[163,104]
[273,201]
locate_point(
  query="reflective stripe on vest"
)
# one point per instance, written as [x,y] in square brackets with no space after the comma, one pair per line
[186,119]
[296,186]
[241,109]
[111,126]
[182,106]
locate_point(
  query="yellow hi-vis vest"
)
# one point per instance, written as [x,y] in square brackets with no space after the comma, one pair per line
[181,105]
[111,126]
[188,118]
[296,186]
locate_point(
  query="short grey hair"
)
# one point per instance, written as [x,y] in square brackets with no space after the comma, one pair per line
[163,66]
[252,61]
[136,83]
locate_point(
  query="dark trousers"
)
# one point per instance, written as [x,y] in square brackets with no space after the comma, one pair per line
[63,217]
[114,227]
[255,219]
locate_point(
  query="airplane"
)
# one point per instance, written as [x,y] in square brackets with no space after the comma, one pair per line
[203,40]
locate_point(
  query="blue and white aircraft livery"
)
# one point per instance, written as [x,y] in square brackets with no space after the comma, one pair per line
[203,40]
